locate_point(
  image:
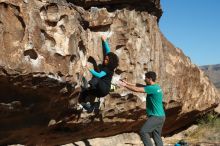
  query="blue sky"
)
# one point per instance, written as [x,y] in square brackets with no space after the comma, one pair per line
[194,27]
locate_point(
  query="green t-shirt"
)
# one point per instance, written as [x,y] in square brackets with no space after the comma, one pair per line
[154,100]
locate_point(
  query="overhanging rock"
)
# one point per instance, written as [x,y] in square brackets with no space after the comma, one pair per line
[45,45]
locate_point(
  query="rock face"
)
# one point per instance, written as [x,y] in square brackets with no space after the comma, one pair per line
[45,45]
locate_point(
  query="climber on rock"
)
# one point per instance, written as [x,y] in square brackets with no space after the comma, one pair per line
[100,84]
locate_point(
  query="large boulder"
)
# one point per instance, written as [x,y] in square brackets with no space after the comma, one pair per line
[45,45]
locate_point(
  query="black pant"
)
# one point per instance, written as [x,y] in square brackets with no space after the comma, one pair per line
[98,88]
[152,127]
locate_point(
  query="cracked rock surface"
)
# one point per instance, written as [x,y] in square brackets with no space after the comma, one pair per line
[45,45]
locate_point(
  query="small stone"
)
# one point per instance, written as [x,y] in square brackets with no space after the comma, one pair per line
[52,122]
[217,109]
[26,1]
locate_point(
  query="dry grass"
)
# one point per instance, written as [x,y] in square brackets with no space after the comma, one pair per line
[206,133]
[208,130]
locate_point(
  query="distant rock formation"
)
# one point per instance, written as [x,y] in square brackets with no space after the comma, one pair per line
[213,72]
[45,45]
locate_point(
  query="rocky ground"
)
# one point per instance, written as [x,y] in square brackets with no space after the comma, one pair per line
[205,133]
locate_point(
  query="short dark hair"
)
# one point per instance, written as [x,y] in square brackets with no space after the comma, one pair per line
[113,60]
[152,75]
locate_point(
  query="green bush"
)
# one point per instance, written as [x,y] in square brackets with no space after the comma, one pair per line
[208,119]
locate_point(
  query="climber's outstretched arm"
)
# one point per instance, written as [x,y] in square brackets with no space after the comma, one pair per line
[97,74]
[105,44]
